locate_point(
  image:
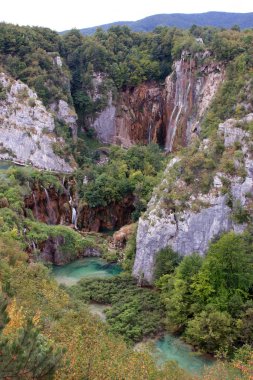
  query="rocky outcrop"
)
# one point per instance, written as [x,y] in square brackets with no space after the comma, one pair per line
[57,207]
[49,205]
[51,251]
[66,114]
[189,231]
[168,113]
[27,128]
[111,217]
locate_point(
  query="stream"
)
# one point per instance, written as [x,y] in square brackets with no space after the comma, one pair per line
[166,348]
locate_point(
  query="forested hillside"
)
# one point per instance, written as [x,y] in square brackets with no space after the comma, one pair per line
[130,148]
[180,20]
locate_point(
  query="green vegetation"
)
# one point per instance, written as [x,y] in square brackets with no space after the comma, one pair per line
[209,299]
[28,54]
[46,331]
[135,312]
[132,172]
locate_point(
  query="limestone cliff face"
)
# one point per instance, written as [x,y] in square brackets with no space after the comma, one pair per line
[191,231]
[166,113]
[27,128]
[189,91]
[66,114]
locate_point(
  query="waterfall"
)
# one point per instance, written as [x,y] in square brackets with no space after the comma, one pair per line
[33,245]
[149,133]
[50,210]
[74,217]
[181,106]
[35,207]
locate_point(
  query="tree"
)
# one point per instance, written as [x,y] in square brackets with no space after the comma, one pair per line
[211,330]
[25,353]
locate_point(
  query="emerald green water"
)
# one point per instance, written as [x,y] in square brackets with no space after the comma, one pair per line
[90,267]
[167,348]
[172,348]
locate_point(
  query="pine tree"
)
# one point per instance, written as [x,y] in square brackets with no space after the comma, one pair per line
[28,354]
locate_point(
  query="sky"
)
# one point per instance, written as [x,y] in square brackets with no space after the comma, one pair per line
[66,14]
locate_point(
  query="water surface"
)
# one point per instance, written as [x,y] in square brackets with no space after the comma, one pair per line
[89,267]
[5,165]
[172,348]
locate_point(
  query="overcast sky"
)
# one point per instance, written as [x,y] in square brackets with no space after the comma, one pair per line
[66,14]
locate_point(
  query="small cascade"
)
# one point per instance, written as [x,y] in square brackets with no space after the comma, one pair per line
[35,206]
[74,217]
[149,133]
[33,245]
[50,210]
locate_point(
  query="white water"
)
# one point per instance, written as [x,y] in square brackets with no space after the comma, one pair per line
[74,217]
[149,133]
[183,86]
[35,207]
[50,210]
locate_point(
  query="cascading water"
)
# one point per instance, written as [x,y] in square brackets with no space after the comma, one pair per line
[149,133]
[180,102]
[50,210]
[35,206]
[74,217]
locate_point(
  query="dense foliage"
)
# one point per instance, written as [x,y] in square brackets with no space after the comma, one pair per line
[28,54]
[210,299]
[132,172]
[134,313]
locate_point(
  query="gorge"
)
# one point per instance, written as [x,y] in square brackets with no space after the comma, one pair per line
[126,182]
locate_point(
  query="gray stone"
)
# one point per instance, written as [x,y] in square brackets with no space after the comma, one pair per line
[187,232]
[27,129]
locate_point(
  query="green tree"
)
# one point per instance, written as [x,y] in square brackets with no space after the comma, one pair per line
[26,353]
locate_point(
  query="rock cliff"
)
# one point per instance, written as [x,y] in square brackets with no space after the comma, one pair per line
[204,216]
[167,113]
[52,206]
[27,128]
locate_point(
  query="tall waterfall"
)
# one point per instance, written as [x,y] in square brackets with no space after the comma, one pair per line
[183,79]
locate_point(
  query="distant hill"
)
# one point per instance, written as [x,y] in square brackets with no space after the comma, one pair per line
[181,20]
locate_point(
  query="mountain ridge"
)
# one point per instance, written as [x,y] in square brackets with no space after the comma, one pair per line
[181,20]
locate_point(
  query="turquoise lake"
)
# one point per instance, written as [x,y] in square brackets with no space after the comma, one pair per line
[90,267]
[166,348]
[172,348]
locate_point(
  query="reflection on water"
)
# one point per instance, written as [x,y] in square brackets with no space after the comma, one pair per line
[90,267]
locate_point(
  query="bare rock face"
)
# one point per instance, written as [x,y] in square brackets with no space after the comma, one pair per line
[27,128]
[66,114]
[51,251]
[111,217]
[104,124]
[49,206]
[168,114]
[188,231]
[189,91]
